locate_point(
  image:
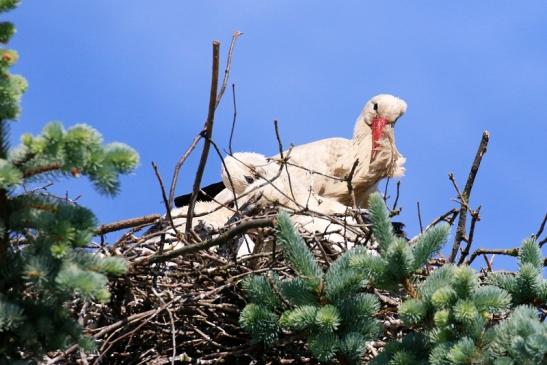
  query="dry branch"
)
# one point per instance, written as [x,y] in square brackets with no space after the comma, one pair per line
[127,223]
[237,230]
[165,201]
[466,194]
[508,252]
[207,133]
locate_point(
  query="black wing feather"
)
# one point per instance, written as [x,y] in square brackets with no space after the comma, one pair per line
[210,192]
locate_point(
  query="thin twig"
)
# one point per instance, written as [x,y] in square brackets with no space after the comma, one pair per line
[165,201]
[178,166]
[242,227]
[489,262]
[460,232]
[233,119]
[283,161]
[481,251]
[349,184]
[173,331]
[508,252]
[235,36]
[420,217]
[541,227]
[127,223]
[394,209]
[442,218]
[230,180]
[207,133]
[385,190]
[475,217]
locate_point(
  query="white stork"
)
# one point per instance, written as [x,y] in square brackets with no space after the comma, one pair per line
[315,175]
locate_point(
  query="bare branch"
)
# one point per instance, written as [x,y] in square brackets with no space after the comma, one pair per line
[385,190]
[207,133]
[233,120]
[481,251]
[420,217]
[127,223]
[228,68]
[475,217]
[242,227]
[489,262]
[216,99]
[443,218]
[178,166]
[165,201]
[394,210]
[460,232]
[541,227]
[508,252]
[283,160]
[219,154]
[349,179]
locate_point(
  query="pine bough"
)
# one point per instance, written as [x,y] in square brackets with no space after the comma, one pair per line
[43,258]
[452,317]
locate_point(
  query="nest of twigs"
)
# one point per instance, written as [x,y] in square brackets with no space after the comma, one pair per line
[185,309]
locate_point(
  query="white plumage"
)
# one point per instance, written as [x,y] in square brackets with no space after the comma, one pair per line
[314,177]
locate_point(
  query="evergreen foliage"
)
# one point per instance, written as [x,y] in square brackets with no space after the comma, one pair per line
[528,285]
[397,260]
[521,339]
[329,308]
[455,318]
[43,239]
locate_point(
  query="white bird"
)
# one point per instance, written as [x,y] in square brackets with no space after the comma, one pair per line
[315,175]
[317,171]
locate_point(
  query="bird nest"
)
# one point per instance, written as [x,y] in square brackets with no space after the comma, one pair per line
[182,305]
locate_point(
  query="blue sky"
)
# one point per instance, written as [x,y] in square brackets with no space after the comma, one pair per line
[139,71]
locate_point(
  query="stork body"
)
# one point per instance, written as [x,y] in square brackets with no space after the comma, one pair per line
[314,178]
[323,166]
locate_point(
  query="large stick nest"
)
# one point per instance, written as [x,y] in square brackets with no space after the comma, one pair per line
[187,307]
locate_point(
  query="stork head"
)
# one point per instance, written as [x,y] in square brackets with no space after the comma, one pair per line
[243,168]
[380,112]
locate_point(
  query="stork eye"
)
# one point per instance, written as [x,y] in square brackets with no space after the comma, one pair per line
[376,106]
[249,179]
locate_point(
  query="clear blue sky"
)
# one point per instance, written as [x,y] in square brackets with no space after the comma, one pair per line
[139,71]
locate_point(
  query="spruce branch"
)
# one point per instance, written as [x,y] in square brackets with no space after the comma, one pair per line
[44,261]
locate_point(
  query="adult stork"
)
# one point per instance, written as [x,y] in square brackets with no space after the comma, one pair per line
[315,177]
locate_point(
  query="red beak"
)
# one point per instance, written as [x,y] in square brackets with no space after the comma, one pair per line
[378,124]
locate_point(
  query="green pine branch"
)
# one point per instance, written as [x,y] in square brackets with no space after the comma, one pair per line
[52,266]
[328,309]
